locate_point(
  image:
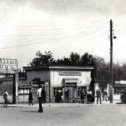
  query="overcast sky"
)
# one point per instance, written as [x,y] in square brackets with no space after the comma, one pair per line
[62,27]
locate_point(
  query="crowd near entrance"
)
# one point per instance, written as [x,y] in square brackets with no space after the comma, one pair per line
[71,93]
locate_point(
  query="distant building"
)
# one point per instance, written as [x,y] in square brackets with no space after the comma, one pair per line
[119,86]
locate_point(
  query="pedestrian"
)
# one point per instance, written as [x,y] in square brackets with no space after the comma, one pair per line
[39,94]
[98,95]
[5,97]
[82,96]
[67,93]
[105,95]
[89,96]
[60,96]
[30,97]
[43,95]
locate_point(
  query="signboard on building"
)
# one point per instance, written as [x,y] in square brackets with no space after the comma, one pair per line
[120,82]
[70,73]
[8,65]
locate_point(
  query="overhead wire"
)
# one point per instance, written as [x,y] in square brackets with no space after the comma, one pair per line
[36,42]
[81,41]
[66,42]
[86,33]
[45,34]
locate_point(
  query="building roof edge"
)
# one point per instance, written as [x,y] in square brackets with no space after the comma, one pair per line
[28,68]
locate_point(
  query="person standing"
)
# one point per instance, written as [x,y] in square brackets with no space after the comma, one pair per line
[89,96]
[5,97]
[98,95]
[30,97]
[105,95]
[43,95]
[82,95]
[39,94]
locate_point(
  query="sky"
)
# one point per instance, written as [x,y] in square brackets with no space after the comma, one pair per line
[62,27]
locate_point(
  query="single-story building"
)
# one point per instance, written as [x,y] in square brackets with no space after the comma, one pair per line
[69,80]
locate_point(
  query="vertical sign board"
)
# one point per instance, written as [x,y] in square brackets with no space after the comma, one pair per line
[9,67]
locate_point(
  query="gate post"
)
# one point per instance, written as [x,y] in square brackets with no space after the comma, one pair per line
[15,87]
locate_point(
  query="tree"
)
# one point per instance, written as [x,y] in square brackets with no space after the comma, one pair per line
[42,59]
[86,60]
[74,58]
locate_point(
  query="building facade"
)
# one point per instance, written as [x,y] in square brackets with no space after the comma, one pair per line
[68,80]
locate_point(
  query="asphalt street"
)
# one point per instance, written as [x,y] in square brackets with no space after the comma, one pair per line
[64,115]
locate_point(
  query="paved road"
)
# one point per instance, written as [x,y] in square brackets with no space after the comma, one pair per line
[71,115]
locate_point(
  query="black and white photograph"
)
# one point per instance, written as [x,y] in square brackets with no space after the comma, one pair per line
[62,62]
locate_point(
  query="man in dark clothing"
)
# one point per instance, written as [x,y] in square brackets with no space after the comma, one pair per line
[30,97]
[83,93]
[43,95]
[98,95]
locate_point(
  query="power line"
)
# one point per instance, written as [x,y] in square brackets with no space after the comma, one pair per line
[62,35]
[59,36]
[32,43]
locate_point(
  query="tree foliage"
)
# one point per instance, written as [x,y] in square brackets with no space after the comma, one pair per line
[45,59]
[74,59]
[102,68]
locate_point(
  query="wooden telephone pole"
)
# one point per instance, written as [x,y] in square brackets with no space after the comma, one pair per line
[111,61]
[111,51]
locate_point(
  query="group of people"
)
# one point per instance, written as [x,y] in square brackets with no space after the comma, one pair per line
[41,94]
[89,98]
[100,95]
[86,96]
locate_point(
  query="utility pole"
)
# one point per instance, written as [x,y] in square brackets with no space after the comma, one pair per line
[111,61]
[111,51]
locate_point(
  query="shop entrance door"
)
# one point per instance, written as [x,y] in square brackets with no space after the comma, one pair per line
[70,94]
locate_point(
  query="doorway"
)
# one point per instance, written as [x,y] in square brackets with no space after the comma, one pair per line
[70,93]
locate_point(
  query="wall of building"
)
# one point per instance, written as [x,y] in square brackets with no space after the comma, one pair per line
[43,75]
[6,85]
[56,79]
[83,77]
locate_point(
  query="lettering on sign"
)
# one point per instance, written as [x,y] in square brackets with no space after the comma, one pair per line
[70,73]
[70,84]
[8,64]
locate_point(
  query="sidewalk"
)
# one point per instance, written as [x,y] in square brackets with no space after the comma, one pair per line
[46,105]
[57,104]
